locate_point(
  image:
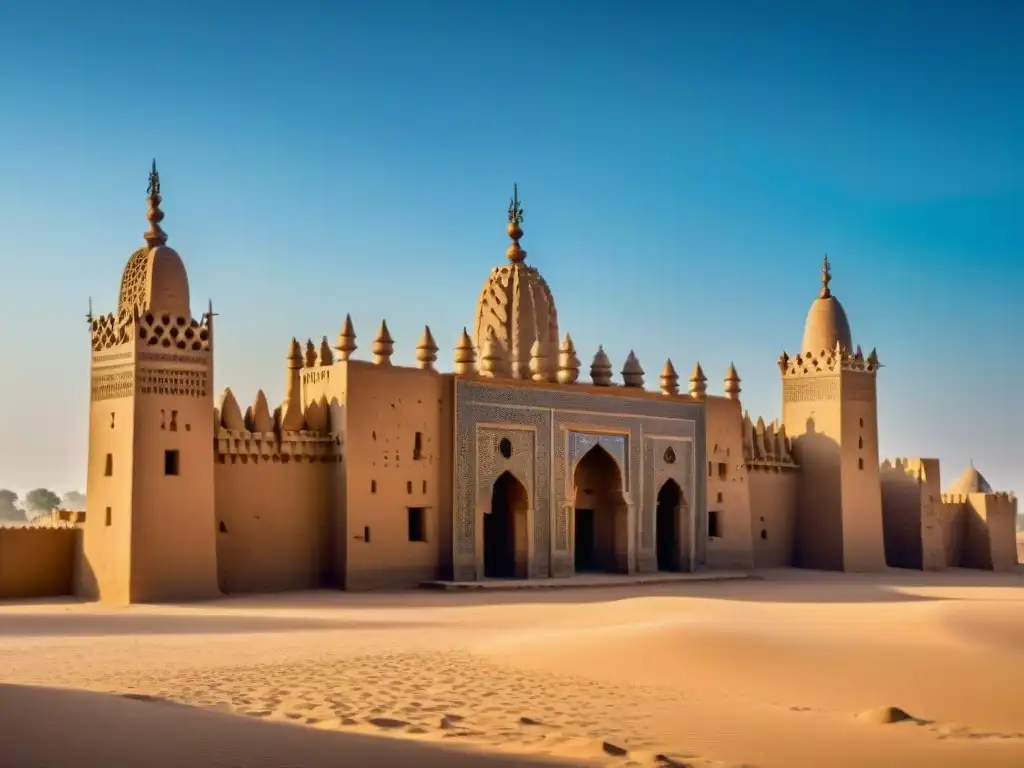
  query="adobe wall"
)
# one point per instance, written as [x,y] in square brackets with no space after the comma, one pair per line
[386,407]
[37,562]
[990,537]
[274,522]
[774,495]
[728,490]
[951,513]
[902,508]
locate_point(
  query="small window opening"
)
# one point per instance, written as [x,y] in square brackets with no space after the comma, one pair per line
[366,534]
[860,463]
[861,422]
[108,469]
[710,470]
[223,528]
[505,447]
[109,517]
[424,486]
[417,524]
[764,535]
[171,463]
[417,447]
[174,421]
[714,525]
[373,486]
[408,486]
[720,497]
[723,469]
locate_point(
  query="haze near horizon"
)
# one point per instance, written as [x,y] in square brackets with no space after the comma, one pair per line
[683,170]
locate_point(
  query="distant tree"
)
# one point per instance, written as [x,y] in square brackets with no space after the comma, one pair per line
[41,500]
[73,500]
[9,509]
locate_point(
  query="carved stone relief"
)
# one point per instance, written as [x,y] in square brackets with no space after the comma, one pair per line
[563,425]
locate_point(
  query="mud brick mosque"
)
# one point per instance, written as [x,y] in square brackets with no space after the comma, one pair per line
[516,464]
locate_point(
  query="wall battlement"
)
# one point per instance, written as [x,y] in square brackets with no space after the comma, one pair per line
[162,331]
[828,361]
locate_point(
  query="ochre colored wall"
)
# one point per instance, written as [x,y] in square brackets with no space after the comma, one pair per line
[902,498]
[774,495]
[274,529]
[990,540]
[812,416]
[863,537]
[103,571]
[952,516]
[174,554]
[729,495]
[385,407]
[37,562]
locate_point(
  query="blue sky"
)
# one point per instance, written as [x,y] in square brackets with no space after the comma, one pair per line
[683,167]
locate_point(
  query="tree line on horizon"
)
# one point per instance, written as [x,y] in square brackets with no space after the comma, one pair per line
[36,502]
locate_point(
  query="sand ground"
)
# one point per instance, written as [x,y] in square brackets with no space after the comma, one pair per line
[794,670]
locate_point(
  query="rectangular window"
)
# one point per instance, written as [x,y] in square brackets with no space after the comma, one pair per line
[110,516]
[408,486]
[417,447]
[373,486]
[714,525]
[108,469]
[860,463]
[171,464]
[723,469]
[710,472]
[417,524]
[366,534]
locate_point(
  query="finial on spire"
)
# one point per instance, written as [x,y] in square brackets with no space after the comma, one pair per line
[826,278]
[88,316]
[154,236]
[514,253]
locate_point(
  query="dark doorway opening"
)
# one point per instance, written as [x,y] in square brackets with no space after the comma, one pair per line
[600,524]
[667,526]
[505,542]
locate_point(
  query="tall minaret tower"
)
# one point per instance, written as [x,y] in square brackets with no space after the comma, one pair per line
[830,410]
[150,524]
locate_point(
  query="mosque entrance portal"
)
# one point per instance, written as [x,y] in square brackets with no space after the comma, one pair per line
[668,526]
[600,519]
[505,530]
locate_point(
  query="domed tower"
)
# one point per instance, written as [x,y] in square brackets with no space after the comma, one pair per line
[830,411]
[517,305]
[150,530]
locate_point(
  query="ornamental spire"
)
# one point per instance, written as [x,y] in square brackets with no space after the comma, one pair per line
[514,253]
[826,278]
[154,236]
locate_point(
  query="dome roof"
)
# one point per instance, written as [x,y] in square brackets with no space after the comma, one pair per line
[517,304]
[826,323]
[154,280]
[970,481]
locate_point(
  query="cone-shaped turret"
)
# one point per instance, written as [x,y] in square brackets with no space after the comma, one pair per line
[493,362]
[632,372]
[732,383]
[317,415]
[783,363]
[568,363]
[230,412]
[292,419]
[154,236]
[698,383]
[465,355]
[346,343]
[669,379]
[539,363]
[262,421]
[325,355]
[748,436]
[310,356]
[383,345]
[426,350]
[601,369]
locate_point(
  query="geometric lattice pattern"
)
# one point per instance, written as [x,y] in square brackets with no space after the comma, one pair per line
[113,385]
[159,381]
[133,284]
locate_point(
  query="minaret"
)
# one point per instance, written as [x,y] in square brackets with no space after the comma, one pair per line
[151,523]
[830,412]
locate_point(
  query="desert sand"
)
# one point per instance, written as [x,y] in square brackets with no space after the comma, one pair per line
[794,669]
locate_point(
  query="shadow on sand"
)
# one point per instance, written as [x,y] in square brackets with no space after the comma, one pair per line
[58,728]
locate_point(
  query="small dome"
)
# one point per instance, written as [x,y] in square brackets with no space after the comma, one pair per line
[154,280]
[826,321]
[970,481]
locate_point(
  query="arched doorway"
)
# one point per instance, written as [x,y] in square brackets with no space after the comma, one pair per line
[668,526]
[506,542]
[600,518]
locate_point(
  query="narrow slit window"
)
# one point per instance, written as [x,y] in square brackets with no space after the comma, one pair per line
[417,524]
[714,525]
[108,469]
[172,463]
[417,447]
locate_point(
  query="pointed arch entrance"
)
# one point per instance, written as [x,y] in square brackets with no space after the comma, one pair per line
[668,526]
[506,530]
[600,525]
